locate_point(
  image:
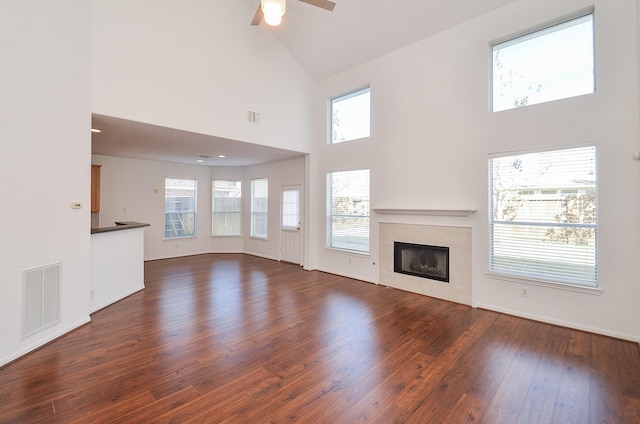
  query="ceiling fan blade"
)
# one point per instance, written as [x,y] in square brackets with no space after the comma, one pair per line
[324,4]
[257,18]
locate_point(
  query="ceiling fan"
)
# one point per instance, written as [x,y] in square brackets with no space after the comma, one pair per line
[273,10]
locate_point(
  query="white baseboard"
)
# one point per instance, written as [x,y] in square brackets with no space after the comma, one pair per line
[116,299]
[562,323]
[30,348]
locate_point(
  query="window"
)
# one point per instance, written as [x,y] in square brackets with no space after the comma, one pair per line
[348,210]
[226,208]
[259,207]
[179,207]
[350,116]
[543,215]
[554,63]
[291,208]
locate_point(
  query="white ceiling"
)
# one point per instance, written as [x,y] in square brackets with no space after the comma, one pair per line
[357,31]
[130,139]
[324,43]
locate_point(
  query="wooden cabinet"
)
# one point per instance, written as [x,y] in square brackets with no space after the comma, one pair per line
[95,188]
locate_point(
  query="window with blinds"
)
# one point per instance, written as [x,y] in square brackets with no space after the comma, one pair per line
[348,210]
[259,207]
[226,208]
[543,215]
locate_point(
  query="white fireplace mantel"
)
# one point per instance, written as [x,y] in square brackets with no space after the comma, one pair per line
[429,212]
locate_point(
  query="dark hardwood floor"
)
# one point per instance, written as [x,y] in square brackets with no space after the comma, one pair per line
[240,339]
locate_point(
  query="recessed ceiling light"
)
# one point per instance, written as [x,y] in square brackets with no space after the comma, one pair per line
[94,130]
[221,156]
[199,160]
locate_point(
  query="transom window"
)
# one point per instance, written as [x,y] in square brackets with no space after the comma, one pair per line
[180,200]
[348,210]
[226,208]
[351,116]
[259,207]
[543,216]
[554,63]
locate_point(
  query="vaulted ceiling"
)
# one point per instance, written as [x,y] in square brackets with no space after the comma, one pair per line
[357,31]
[324,43]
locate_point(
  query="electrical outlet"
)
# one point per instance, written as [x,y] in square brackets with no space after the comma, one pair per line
[92,293]
[524,293]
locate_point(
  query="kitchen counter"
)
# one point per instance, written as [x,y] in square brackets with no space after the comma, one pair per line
[117,263]
[123,225]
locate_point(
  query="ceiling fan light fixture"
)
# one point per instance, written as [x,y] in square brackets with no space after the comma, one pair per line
[273,11]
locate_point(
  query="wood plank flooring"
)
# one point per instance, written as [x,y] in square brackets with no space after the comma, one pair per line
[229,338]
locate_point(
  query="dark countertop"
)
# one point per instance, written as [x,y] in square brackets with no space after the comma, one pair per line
[124,225]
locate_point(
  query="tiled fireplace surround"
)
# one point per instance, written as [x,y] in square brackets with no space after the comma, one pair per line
[457,238]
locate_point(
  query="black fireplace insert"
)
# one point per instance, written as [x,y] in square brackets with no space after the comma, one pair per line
[421,260]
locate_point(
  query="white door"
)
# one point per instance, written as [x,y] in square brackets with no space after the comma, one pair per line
[291,225]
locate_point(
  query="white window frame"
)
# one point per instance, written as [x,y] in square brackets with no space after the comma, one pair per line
[533,251]
[549,69]
[347,238]
[224,215]
[364,118]
[183,223]
[259,215]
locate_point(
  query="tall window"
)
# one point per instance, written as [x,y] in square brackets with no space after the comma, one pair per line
[554,63]
[348,210]
[259,207]
[543,215]
[180,207]
[351,116]
[226,208]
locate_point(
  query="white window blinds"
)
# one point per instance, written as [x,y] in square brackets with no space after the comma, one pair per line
[348,210]
[543,215]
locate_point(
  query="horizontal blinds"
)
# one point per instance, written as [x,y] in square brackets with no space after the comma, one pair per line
[227,204]
[259,207]
[348,210]
[544,215]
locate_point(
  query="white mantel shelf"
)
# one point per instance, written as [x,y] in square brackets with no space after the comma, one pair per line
[429,212]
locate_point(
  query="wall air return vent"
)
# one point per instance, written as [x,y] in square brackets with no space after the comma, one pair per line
[40,299]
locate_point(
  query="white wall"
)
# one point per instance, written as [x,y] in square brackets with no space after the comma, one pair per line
[133,190]
[432,134]
[137,187]
[117,266]
[44,160]
[198,67]
[287,172]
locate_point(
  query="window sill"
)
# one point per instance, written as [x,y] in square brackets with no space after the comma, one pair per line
[258,238]
[179,238]
[346,251]
[595,291]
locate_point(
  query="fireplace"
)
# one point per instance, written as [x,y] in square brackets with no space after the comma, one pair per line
[421,260]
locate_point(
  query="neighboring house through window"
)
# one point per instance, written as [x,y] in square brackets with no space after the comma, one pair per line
[543,216]
[226,208]
[348,210]
[180,200]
